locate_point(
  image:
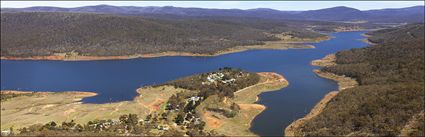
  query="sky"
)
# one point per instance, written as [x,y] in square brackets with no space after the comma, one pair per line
[279,5]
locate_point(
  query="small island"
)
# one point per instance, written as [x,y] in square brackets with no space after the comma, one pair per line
[204,104]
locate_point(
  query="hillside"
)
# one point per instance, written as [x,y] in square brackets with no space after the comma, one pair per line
[401,15]
[46,33]
[335,14]
[389,100]
[411,32]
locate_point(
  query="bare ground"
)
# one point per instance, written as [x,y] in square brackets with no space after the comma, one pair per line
[245,98]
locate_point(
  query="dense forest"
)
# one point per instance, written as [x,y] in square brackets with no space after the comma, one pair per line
[390,95]
[38,33]
[412,32]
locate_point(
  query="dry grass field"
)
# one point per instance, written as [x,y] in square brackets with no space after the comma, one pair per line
[43,107]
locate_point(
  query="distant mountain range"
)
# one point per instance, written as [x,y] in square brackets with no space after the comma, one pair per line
[346,14]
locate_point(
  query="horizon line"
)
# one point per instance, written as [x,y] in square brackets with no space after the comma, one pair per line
[242,5]
[202,7]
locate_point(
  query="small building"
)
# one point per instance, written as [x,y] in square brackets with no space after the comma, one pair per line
[195,98]
[5,133]
[215,76]
[163,127]
[228,81]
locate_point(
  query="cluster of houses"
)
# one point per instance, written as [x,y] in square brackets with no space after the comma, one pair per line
[194,99]
[103,124]
[217,77]
[189,117]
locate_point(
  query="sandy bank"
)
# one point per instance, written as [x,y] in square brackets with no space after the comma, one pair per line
[328,60]
[294,127]
[367,41]
[78,94]
[245,98]
[343,81]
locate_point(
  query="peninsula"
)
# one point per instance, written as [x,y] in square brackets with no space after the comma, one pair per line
[190,105]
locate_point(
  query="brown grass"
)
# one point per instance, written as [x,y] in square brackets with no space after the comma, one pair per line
[43,107]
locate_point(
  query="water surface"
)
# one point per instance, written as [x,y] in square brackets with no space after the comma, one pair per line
[117,80]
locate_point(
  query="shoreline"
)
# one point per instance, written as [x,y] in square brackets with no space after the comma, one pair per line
[79,95]
[343,83]
[293,128]
[281,80]
[84,93]
[67,105]
[366,39]
[32,107]
[269,45]
[246,99]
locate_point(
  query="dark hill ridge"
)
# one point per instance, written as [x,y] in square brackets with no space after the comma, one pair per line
[409,14]
[336,13]
[46,33]
[410,32]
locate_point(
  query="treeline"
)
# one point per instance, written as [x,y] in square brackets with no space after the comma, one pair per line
[125,125]
[38,33]
[206,88]
[403,33]
[390,92]
[5,95]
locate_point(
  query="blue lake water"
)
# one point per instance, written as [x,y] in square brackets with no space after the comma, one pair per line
[117,80]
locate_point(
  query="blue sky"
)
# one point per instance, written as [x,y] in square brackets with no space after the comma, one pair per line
[279,5]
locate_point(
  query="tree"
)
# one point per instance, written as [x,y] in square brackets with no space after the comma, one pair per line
[133,119]
[179,119]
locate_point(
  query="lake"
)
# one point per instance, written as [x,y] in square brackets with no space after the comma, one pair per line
[117,80]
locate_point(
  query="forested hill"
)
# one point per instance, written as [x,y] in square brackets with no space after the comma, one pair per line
[390,98]
[45,33]
[404,33]
[400,15]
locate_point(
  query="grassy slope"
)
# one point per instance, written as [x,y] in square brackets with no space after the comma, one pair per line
[41,107]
